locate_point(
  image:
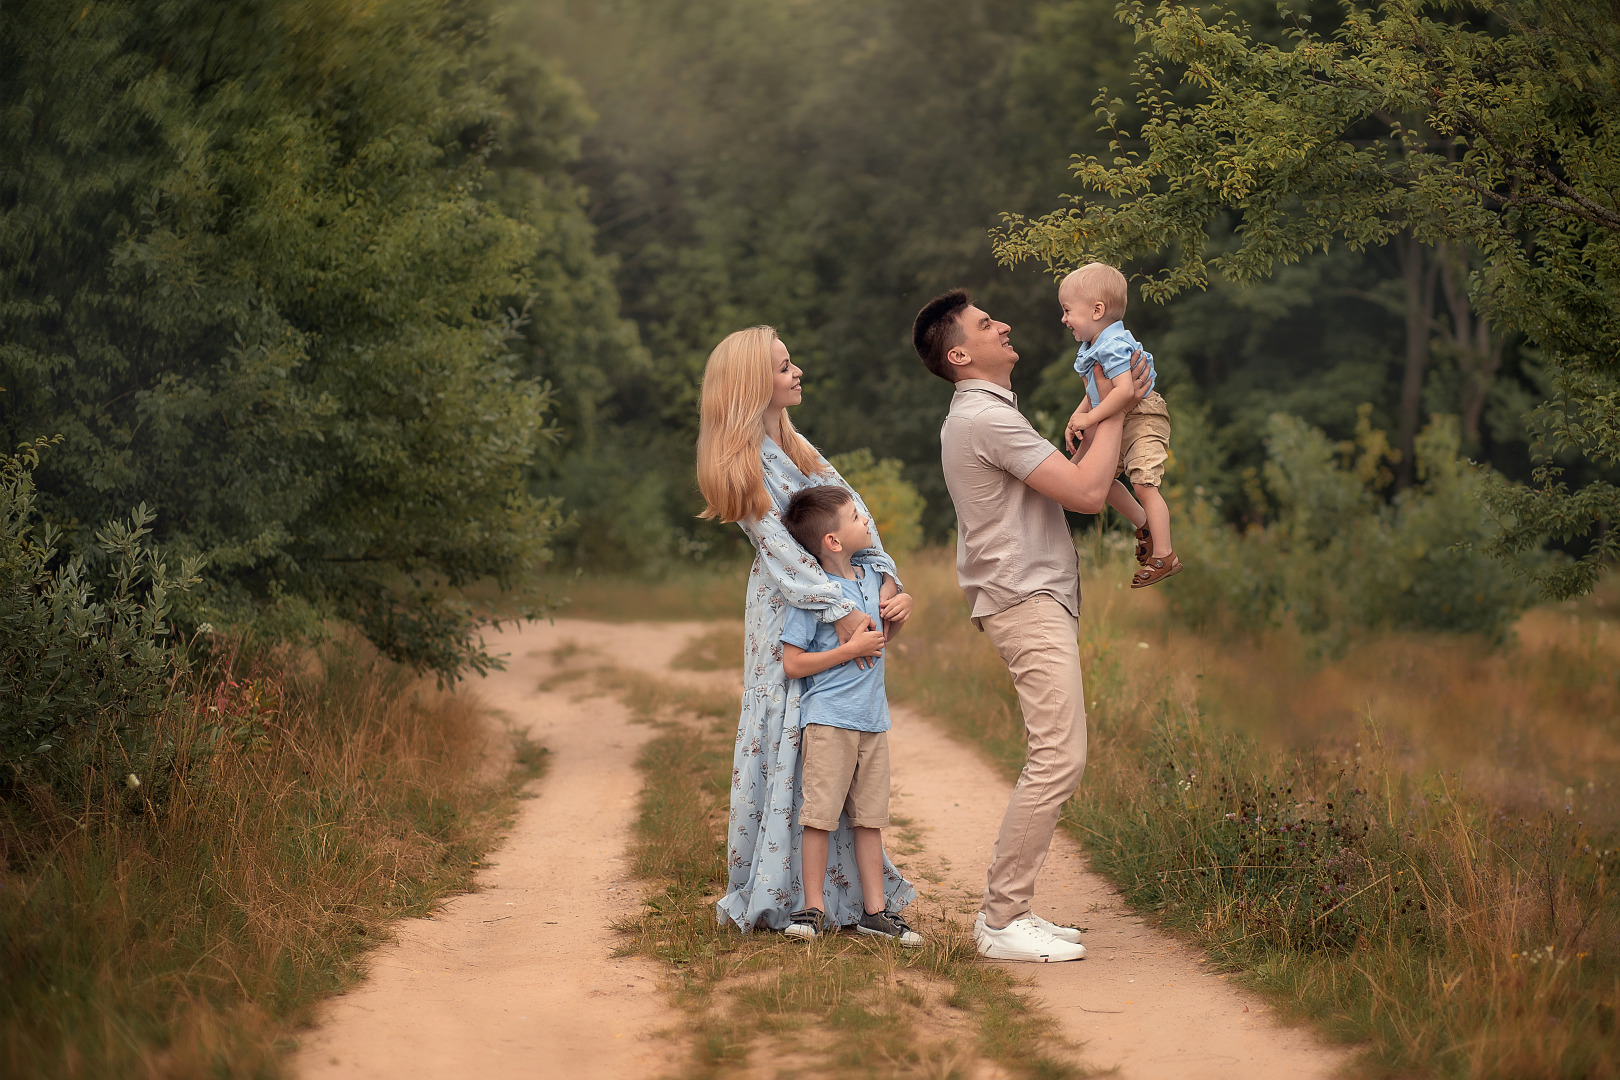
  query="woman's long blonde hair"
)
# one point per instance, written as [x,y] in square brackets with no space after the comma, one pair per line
[737,385]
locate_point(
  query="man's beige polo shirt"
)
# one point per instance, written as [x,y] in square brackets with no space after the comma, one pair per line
[1012,542]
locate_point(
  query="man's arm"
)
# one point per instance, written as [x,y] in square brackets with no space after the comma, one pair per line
[1083,488]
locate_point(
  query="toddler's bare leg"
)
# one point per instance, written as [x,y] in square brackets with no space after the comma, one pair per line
[813,865]
[1158,518]
[869,861]
[1119,497]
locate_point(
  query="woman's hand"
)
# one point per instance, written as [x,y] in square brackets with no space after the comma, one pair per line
[849,626]
[866,646]
[895,611]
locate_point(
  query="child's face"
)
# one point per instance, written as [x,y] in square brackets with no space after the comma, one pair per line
[1081,314]
[853,532]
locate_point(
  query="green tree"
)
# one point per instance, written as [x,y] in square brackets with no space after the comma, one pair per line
[257,272]
[1486,130]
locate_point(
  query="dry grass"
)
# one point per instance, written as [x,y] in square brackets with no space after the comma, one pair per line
[762,1004]
[185,927]
[1414,843]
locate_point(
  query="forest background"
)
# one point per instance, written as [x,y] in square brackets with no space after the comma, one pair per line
[318,319]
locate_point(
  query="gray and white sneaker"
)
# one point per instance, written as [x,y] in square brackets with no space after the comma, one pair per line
[889,924]
[1023,939]
[805,924]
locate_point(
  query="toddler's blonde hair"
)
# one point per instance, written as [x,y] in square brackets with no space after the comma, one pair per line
[1099,281]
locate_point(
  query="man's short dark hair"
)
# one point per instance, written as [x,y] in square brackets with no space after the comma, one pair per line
[812,513]
[938,329]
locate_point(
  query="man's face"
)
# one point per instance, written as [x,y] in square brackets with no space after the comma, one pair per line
[985,341]
[853,532]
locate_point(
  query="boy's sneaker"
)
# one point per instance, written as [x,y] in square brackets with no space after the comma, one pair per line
[1062,933]
[1023,939]
[889,924]
[805,924]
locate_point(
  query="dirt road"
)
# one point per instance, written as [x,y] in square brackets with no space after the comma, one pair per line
[518,979]
[1140,1001]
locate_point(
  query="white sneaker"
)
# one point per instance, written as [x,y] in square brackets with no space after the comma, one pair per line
[1023,939]
[1062,933]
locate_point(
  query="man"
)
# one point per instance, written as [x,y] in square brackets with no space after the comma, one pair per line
[1016,561]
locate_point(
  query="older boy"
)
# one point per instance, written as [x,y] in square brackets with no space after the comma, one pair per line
[1093,299]
[843,713]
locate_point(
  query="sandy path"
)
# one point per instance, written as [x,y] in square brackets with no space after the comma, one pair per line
[516,980]
[1140,1001]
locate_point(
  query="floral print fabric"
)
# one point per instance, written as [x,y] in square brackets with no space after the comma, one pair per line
[765,886]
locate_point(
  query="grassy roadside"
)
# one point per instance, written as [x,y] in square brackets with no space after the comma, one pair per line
[1414,845]
[186,927]
[842,1006]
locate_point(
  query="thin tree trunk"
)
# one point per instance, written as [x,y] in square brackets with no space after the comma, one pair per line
[1478,351]
[1418,275]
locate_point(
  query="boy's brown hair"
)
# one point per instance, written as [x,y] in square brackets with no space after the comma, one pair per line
[814,512]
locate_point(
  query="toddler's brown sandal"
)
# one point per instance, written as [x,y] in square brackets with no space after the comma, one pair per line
[1155,570]
[1144,545]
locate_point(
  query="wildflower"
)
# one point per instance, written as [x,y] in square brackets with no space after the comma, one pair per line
[1141,644]
[132,781]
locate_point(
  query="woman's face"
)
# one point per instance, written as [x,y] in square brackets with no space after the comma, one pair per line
[784,377]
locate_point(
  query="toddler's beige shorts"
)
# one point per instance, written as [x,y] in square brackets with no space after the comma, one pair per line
[1145,445]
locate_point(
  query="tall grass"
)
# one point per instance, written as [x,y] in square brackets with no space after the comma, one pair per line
[1414,843]
[184,927]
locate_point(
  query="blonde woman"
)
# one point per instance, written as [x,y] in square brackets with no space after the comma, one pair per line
[750,461]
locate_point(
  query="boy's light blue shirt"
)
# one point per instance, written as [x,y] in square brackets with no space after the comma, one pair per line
[845,696]
[1112,351]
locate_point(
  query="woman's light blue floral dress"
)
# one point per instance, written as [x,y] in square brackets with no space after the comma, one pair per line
[765,886]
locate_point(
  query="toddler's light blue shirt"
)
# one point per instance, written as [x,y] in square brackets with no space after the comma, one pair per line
[1112,351]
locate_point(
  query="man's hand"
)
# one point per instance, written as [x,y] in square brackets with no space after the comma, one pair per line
[850,625]
[1141,376]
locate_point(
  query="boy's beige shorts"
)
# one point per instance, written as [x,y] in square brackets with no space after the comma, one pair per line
[1145,445]
[845,772]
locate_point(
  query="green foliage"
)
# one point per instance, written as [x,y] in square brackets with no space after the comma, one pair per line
[1333,557]
[896,506]
[1480,127]
[81,666]
[257,272]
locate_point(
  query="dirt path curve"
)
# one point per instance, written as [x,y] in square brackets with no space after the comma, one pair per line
[516,980]
[1140,1001]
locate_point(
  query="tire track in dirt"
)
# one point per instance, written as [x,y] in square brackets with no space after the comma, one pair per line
[1141,1001]
[517,979]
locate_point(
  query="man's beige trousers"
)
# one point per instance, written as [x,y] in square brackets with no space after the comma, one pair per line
[1038,641]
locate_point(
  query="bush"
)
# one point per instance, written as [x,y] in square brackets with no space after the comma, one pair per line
[1333,556]
[78,667]
[895,504]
